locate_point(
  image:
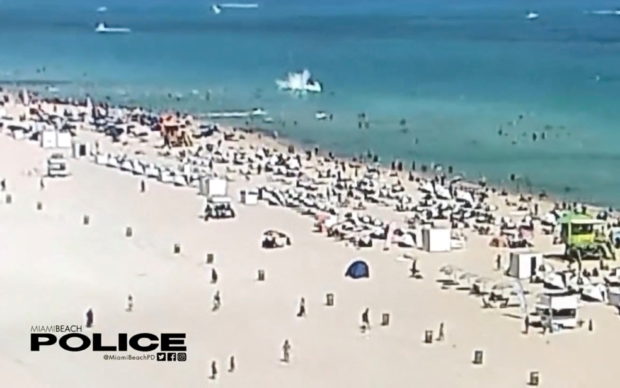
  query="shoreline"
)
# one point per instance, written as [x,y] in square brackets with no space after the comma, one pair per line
[503,184]
[284,142]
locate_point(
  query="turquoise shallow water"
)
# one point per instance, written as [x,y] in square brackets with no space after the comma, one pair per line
[457,71]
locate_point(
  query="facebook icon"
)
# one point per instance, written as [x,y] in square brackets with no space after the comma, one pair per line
[172,356]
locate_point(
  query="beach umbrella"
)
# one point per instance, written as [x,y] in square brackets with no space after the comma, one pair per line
[449,269]
[503,285]
[577,282]
[554,280]
[484,280]
[546,268]
[482,283]
[467,276]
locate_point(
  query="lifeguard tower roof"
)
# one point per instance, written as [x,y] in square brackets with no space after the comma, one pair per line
[576,219]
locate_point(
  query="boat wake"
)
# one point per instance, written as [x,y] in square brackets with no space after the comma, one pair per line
[613,12]
[102,28]
[217,8]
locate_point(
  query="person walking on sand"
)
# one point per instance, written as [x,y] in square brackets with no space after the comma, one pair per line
[90,318]
[217,301]
[3,184]
[441,335]
[366,319]
[129,307]
[213,276]
[42,183]
[302,308]
[231,364]
[213,371]
[526,323]
[414,268]
[142,186]
[286,351]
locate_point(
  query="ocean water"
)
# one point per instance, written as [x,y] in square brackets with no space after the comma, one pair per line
[456,71]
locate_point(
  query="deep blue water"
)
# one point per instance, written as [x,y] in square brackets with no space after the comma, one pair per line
[457,71]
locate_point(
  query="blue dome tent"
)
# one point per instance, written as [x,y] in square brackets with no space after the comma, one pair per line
[358,269]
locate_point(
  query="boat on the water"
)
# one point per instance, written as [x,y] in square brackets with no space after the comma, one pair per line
[532,15]
[300,82]
[320,115]
[102,9]
[217,8]
[102,28]
[258,112]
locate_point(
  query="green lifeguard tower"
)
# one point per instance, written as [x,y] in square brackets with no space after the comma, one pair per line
[585,238]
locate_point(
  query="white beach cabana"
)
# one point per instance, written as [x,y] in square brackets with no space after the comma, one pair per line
[524,265]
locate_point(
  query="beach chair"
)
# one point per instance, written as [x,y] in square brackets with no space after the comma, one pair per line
[151,171]
[166,176]
[112,162]
[179,180]
[126,165]
[101,159]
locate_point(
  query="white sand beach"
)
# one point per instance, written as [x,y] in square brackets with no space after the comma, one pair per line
[53,268]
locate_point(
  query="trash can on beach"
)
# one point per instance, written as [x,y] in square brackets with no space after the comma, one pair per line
[478,357]
[428,337]
[210,258]
[385,319]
